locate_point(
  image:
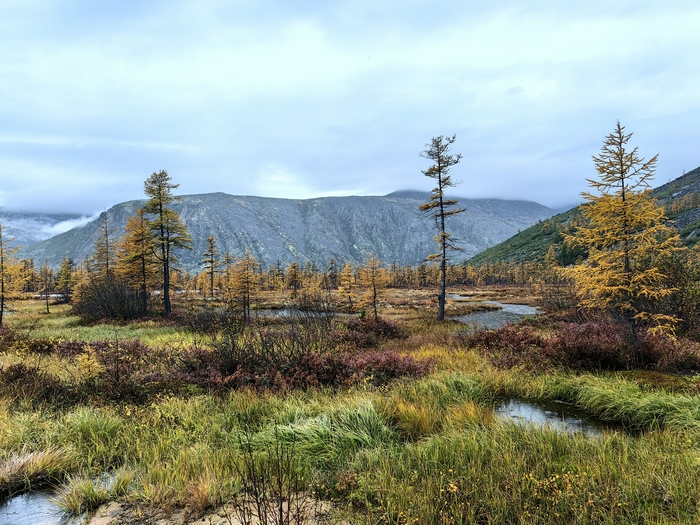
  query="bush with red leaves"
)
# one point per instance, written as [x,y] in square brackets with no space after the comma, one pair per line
[366,332]
[583,346]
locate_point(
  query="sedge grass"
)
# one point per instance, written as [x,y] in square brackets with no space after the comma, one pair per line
[426,450]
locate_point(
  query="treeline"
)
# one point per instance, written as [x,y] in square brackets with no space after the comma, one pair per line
[233,273]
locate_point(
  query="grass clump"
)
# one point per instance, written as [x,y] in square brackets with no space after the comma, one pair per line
[33,469]
[81,494]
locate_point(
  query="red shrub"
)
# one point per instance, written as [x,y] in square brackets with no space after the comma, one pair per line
[590,346]
[367,332]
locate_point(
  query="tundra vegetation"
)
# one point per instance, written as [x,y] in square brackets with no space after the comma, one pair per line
[222,409]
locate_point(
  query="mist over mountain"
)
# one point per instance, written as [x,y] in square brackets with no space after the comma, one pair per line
[286,230]
[28,228]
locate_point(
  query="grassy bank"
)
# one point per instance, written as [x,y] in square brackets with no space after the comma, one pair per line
[414,450]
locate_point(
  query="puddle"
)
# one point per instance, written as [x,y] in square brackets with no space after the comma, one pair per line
[557,415]
[34,508]
[490,319]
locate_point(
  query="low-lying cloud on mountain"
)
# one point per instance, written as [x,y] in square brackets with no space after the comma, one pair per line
[30,228]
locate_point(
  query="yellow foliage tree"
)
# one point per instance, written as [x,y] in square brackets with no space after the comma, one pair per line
[245,281]
[9,268]
[626,236]
[374,277]
[347,284]
[136,260]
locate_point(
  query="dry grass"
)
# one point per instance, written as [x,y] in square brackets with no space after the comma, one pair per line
[33,469]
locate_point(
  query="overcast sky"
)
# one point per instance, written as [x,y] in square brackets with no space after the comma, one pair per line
[298,99]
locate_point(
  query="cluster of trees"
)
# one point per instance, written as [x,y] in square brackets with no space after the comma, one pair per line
[629,261]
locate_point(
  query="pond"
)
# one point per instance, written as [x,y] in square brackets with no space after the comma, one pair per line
[34,508]
[502,315]
[556,414]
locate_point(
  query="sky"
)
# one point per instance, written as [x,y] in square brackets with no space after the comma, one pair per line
[302,99]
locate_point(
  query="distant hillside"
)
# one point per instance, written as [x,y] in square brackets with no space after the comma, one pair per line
[680,198]
[285,230]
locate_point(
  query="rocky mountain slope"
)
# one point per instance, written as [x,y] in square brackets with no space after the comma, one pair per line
[285,230]
[680,197]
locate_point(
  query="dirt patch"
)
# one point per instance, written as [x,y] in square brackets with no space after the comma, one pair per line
[134,514]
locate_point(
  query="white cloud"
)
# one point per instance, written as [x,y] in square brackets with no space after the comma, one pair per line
[63,226]
[333,98]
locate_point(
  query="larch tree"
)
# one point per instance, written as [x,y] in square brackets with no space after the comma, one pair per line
[137,263]
[46,278]
[626,235]
[7,265]
[103,253]
[28,275]
[246,277]
[374,278]
[211,263]
[439,207]
[169,232]
[347,284]
[294,278]
[331,277]
[66,279]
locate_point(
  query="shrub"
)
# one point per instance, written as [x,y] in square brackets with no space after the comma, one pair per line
[590,346]
[508,346]
[366,332]
[108,297]
[667,354]
[382,367]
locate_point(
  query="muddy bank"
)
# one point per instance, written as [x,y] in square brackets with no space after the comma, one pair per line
[133,514]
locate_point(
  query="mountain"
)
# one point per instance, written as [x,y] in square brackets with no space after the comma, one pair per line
[680,197]
[29,228]
[285,230]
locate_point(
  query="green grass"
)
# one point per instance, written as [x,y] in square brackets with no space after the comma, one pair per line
[30,318]
[426,451]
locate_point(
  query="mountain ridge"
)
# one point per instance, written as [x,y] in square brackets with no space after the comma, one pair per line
[314,230]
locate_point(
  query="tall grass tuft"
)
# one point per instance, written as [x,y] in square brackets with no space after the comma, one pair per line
[26,470]
[81,494]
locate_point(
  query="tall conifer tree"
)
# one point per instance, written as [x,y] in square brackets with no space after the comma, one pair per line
[626,236]
[169,232]
[439,207]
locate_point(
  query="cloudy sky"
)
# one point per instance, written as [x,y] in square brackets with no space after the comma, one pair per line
[292,98]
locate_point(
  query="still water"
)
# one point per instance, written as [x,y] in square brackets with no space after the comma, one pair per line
[34,508]
[490,319]
[556,415]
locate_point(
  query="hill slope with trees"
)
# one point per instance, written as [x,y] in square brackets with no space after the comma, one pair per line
[680,198]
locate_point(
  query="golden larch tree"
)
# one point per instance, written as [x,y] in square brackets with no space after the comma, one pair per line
[374,278]
[136,256]
[626,235]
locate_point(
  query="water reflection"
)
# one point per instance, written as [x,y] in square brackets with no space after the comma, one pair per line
[556,415]
[34,508]
[504,314]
